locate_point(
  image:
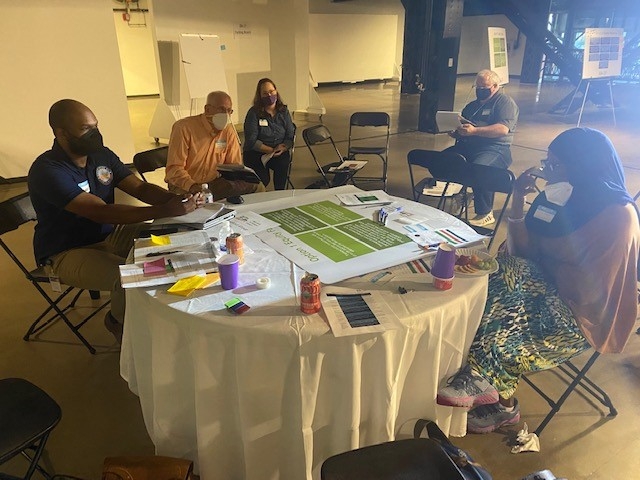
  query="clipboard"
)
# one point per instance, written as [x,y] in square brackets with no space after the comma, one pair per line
[447,121]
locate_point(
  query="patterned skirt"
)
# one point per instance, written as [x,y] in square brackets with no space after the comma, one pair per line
[525,326]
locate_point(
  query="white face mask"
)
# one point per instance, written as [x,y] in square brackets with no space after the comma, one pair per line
[220,120]
[558,193]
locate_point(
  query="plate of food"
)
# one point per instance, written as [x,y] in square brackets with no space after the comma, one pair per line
[474,263]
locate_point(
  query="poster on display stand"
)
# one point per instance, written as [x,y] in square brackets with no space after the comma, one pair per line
[498,58]
[602,53]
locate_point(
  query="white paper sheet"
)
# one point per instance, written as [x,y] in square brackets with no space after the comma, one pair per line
[354,312]
[374,197]
[248,223]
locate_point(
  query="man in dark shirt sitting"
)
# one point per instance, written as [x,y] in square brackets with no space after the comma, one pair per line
[487,140]
[81,234]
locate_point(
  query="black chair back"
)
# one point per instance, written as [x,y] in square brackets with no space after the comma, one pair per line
[27,417]
[150,160]
[410,459]
[370,119]
[15,212]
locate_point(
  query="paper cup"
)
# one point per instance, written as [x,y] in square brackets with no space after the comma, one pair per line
[444,262]
[443,283]
[228,266]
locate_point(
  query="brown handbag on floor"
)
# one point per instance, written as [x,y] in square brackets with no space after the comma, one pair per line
[146,468]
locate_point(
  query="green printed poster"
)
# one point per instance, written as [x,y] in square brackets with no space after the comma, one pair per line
[294,221]
[334,244]
[334,231]
[373,234]
[330,213]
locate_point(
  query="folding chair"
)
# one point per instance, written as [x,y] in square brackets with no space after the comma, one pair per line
[428,186]
[291,151]
[379,122]
[575,377]
[27,417]
[455,169]
[413,458]
[150,160]
[314,136]
[15,212]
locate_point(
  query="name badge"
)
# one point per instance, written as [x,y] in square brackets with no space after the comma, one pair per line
[486,112]
[85,186]
[263,122]
[221,144]
[544,213]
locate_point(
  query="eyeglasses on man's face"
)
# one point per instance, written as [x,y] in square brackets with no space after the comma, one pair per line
[219,109]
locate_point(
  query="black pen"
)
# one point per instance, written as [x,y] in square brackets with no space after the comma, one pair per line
[159,254]
[347,294]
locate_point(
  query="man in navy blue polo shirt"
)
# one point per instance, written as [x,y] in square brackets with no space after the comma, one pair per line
[81,234]
[487,140]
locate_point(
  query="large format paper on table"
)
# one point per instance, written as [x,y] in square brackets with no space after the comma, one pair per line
[337,243]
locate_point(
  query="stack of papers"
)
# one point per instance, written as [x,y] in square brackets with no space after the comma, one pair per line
[168,258]
[348,165]
[207,216]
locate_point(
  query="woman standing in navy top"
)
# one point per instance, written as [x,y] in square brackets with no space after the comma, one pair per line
[268,132]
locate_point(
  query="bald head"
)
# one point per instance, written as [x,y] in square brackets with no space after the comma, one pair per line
[63,113]
[218,97]
[490,76]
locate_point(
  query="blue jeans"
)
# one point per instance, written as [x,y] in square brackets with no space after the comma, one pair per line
[491,155]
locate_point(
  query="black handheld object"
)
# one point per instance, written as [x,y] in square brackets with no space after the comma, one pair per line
[235,199]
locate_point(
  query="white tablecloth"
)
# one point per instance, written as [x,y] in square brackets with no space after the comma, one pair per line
[272,393]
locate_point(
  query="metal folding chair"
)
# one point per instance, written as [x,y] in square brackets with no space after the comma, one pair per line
[575,377]
[27,417]
[319,134]
[455,169]
[291,152]
[422,180]
[15,212]
[150,160]
[377,122]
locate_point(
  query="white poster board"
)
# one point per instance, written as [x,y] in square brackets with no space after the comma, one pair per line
[498,58]
[602,52]
[202,61]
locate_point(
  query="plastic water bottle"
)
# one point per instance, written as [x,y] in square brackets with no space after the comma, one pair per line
[208,195]
[225,231]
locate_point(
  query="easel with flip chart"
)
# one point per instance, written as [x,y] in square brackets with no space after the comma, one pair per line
[201,59]
[601,63]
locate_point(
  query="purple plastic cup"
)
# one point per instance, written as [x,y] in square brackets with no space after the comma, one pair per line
[444,262]
[228,266]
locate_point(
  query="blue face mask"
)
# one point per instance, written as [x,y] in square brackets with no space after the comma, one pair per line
[270,100]
[483,93]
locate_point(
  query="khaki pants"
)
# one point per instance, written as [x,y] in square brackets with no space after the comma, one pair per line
[95,267]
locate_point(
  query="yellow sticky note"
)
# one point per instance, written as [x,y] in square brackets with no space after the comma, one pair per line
[210,279]
[186,286]
[160,239]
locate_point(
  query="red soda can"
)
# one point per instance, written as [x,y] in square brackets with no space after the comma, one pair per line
[310,293]
[235,246]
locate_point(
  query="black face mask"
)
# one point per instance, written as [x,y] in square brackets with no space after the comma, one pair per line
[483,93]
[90,142]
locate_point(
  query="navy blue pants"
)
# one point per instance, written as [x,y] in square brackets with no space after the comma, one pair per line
[492,155]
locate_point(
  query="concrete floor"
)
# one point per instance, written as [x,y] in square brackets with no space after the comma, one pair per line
[101,417]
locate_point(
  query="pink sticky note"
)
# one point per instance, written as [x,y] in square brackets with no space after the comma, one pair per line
[155,267]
